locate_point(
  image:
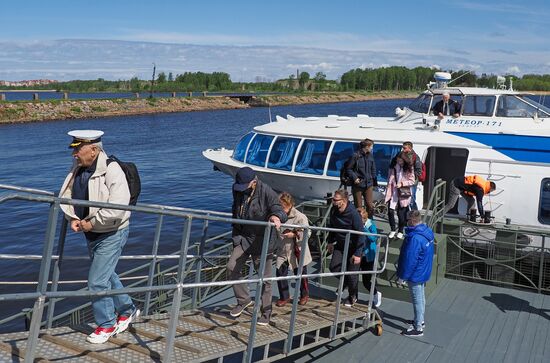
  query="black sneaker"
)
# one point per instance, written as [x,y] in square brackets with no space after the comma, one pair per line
[413,333]
[411,325]
[263,320]
[350,301]
[238,310]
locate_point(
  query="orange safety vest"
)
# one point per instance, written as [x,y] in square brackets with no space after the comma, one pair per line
[479,181]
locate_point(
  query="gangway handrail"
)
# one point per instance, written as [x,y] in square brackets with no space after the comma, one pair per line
[42,293]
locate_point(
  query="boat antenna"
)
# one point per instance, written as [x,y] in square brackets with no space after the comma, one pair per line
[269,109]
[462,75]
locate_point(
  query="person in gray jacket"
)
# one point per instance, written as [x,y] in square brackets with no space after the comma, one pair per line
[254,201]
[93,178]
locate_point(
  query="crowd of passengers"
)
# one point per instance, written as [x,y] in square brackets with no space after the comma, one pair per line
[255,200]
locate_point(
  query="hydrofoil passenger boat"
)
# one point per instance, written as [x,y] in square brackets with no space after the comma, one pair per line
[502,135]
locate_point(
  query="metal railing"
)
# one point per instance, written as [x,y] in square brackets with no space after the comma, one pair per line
[43,294]
[509,255]
[434,210]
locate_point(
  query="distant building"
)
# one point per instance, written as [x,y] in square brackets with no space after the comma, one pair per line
[27,83]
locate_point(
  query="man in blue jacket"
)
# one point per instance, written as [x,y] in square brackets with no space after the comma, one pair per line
[415,267]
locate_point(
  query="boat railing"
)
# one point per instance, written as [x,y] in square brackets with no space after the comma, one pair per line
[183,280]
[433,214]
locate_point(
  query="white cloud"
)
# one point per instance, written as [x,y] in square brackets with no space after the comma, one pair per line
[513,70]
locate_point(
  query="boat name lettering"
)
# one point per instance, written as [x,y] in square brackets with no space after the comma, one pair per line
[473,123]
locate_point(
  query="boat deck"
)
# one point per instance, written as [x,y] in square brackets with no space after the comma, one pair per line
[465,322]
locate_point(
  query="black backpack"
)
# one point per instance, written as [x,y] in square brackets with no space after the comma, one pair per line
[345,180]
[132,177]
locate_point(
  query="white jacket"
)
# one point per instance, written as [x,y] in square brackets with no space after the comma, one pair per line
[108,184]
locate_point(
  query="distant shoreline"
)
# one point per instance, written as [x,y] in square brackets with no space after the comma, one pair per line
[49,110]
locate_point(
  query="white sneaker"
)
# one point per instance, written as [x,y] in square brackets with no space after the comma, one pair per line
[391,235]
[399,235]
[377,300]
[123,322]
[101,335]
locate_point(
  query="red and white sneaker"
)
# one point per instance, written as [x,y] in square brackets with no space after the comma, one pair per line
[123,322]
[101,335]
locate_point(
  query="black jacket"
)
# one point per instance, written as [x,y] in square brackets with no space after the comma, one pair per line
[362,166]
[454,107]
[351,220]
[263,204]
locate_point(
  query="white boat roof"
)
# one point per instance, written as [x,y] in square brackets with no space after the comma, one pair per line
[474,91]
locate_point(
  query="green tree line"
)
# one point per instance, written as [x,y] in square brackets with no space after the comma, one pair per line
[370,79]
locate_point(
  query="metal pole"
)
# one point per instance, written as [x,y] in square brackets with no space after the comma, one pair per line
[290,338]
[153,264]
[197,290]
[176,303]
[541,264]
[258,298]
[56,270]
[340,287]
[42,287]
[373,278]
[173,324]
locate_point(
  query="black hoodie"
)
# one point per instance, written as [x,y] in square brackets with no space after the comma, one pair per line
[349,219]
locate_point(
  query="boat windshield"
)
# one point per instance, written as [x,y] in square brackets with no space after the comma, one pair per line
[520,106]
[242,145]
[421,104]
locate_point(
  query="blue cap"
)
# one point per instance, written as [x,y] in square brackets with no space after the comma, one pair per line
[243,178]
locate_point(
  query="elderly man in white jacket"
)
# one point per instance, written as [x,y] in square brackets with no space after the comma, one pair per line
[94,178]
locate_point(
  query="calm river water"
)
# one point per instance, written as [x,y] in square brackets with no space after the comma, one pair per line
[167,150]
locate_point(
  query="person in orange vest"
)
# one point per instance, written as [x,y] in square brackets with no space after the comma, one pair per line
[469,187]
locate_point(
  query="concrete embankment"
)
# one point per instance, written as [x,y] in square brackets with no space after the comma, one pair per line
[30,111]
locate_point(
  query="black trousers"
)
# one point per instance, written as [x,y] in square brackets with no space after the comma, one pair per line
[283,284]
[401,217]
[350,281]
[368,266]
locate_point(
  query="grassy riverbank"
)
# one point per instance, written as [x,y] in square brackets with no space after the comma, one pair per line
[32,111]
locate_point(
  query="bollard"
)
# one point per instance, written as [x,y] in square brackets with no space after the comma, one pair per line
[137,94]
[35,97]
[173,94]
[65,95]
[2,97]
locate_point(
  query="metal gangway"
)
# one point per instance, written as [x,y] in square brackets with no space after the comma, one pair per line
[187,329]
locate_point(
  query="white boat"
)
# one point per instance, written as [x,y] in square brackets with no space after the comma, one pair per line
[501,135]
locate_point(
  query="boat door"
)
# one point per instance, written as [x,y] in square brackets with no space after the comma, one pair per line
[443,163]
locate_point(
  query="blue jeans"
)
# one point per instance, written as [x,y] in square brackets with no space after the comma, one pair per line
[104,253]
[413,195]
[419,302]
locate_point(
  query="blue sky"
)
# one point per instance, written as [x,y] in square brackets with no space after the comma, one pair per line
[252,39]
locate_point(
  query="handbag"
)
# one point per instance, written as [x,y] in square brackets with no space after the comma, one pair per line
[404,192]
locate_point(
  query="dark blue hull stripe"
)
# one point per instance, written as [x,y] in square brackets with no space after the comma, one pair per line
[518,147]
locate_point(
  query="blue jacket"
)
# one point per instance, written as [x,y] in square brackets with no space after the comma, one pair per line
[416,256]
[370,245]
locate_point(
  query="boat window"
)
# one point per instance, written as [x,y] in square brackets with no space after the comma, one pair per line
[542,110]
[282,153]
[478,105]
[383,154]
[257,151]
[514,106]
[438,98]
[341,152]
[544,208]
[313,154]
[240,149]
[421,103]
